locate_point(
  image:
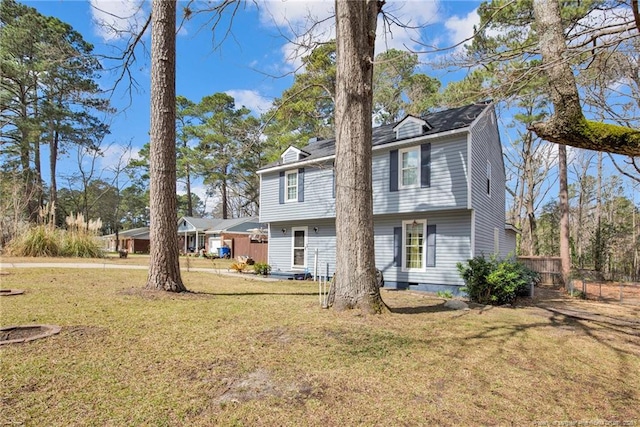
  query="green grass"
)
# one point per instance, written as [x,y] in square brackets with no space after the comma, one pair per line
[242,352]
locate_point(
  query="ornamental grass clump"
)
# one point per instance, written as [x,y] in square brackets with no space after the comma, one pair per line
[494,281]
[80,238]
[45,240]
[36,241]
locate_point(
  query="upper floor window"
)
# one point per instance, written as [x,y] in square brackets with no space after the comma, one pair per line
[409,167]
[291,190]
[291,186]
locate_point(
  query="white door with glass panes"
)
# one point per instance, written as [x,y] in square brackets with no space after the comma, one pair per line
[299,247]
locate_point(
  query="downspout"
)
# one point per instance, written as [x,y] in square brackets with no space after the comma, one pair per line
[472,241]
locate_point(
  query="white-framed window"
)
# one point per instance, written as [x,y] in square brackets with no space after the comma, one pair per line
[488,178]
[413,244]
[299,247]
[409,167]
[291,186]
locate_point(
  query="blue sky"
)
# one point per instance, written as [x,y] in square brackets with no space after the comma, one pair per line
[253,61]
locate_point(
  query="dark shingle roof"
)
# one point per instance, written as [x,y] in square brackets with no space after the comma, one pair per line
[441,121]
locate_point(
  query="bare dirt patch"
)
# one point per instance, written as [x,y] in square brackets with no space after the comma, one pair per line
[278,335]
[86,331]
[261,384]
[625,292]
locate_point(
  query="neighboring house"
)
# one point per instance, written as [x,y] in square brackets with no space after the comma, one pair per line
[243,236]
[438,199]
[135,240]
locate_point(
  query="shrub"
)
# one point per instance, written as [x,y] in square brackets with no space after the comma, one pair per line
[37,241]
[495,281]
[262,268]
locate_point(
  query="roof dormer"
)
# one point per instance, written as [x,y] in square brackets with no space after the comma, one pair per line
[293,154]
[411,126]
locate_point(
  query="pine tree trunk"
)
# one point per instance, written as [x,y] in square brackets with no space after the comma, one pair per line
[53,163]
[225,204]
[355,281]
[598,250]
[164,263]
[565,254]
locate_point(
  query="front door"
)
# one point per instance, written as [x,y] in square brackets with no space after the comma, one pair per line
[299,247]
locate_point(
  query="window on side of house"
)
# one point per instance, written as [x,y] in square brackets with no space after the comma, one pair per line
[409,170]
[413,244]
[488,178]
[291,186]
[431,245]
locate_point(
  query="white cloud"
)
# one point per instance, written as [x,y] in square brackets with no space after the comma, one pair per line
[461,28]
[303,22]
[410,19]
[116,19]
[117,156]
[308,22]
[610,25]
[251,99]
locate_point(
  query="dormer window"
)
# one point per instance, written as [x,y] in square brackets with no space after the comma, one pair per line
[293,154]
[411,126]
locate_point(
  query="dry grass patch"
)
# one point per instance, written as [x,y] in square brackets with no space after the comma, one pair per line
[238,351]
[132,259]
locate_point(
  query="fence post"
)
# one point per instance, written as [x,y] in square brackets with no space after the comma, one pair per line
[315,265]
[620,291]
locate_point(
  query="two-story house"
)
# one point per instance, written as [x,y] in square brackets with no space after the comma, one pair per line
[438,199]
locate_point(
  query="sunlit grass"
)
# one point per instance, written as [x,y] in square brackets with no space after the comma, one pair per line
[237,351]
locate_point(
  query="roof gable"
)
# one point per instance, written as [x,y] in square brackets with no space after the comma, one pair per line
[241,225]
[411,126]
[190,223]
[293,154]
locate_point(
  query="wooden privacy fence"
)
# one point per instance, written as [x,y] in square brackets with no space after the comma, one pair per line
[549,268]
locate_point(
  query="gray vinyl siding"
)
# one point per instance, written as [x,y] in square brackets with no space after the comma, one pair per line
[291,156]
[409,129]
[453,244]
[489,209]
[448,189]
[280,245]
[318,201]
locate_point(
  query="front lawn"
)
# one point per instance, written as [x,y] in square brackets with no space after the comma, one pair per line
[238,351]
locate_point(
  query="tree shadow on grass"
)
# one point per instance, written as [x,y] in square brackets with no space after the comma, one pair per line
[437,308]
[242,294]
[160,294]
